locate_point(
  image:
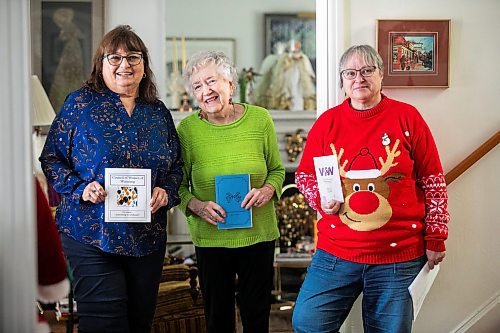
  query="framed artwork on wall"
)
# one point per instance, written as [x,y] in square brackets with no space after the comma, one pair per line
[415,52]
[65,35]
[283,32]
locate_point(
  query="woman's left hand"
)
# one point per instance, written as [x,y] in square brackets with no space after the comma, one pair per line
[434,258]
[258,197]
[159,198]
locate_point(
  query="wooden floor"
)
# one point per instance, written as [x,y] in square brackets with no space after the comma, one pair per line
[280,321]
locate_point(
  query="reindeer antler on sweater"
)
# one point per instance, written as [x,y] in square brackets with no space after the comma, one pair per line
[339,156]
[391,154]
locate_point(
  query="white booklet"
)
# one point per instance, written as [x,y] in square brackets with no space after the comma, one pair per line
[128,195]
[420,287]
[328,177]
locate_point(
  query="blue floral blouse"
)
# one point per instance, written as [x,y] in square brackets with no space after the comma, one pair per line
[92,132]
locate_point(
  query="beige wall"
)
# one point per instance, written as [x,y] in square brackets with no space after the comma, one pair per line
[461,118]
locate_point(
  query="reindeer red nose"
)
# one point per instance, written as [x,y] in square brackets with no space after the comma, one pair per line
[364,202]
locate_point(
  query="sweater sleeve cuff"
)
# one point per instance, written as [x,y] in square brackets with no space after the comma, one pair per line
[185,198]
[437,246]
[277,189]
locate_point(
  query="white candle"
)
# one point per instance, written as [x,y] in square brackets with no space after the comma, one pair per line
[183,52]
[175,68]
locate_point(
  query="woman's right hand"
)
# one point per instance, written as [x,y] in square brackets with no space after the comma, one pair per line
[94,193]
[331,207]
[207,210]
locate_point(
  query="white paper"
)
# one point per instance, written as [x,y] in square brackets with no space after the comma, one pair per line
[128,195]
[421,286]
[328,177]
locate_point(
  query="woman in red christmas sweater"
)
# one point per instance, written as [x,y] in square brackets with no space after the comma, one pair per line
[394,216]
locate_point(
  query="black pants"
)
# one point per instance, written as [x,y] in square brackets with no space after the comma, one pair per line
[218,267]
[113,293]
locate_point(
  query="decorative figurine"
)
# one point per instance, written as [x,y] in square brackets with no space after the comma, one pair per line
[186,103]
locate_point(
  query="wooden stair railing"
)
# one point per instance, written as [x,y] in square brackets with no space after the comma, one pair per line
[472,158]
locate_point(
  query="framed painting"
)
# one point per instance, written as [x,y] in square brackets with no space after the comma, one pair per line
[415,52]
[65,35]
[285,32]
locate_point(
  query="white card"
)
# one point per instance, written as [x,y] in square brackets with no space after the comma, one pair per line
[421,286]
[128,195]
[328,177]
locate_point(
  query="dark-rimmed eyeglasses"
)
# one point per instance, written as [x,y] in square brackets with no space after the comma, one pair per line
[116,59]
[350,74]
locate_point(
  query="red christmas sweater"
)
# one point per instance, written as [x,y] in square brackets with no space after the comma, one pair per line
[392,180]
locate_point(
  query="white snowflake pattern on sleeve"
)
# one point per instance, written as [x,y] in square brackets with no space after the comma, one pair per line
[436,204]
[308,186]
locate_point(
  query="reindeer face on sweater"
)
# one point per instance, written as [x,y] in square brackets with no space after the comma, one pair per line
[366,189]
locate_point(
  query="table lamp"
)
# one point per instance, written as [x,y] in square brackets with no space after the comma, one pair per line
[43,112]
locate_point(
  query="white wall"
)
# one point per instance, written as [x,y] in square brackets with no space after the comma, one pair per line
[242,20]
[147,18]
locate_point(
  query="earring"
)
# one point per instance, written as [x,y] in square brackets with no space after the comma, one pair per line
[202,115]
[230,100]
[144,75]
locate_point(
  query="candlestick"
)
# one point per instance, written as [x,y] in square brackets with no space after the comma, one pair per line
[175,68]
[183,52]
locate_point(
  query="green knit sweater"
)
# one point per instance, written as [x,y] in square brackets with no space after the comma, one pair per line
[248,145]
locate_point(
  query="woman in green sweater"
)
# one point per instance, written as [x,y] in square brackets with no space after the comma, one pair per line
[225,138]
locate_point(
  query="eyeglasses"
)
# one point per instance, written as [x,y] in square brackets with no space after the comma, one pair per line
[115,59]
[350,74]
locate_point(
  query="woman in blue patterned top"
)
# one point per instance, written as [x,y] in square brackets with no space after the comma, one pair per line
[114,121]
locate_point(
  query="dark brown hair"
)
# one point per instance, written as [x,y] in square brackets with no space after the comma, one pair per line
[125,38]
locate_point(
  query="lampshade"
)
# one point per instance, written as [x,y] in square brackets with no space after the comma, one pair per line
[43,112]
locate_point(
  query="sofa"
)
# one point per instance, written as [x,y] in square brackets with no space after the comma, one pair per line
[179,307]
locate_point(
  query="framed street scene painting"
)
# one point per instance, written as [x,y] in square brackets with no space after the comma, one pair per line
[415,52]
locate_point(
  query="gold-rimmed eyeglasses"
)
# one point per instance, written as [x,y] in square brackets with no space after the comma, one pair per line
[350,74]
[116,59]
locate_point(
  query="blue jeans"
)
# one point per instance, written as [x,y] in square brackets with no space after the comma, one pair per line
[114,293]
[332,285]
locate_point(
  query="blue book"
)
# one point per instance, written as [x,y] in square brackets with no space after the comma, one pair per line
[230,190]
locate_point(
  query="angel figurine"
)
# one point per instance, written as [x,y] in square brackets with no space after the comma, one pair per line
[287,81]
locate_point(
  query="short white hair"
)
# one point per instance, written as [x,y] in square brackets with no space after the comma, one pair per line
[225,67]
